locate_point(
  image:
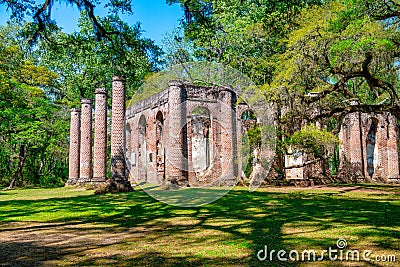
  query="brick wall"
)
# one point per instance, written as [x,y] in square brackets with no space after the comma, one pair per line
[176,104]
[369,147]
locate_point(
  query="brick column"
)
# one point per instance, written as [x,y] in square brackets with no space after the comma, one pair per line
[228,137]
[177,150]
[100,136]
[381,171]
[392,146]
[345,168]
[74,146]
[118,130]
[356,155]
[86,142]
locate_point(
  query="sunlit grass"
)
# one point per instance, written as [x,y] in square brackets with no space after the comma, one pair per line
[74,227]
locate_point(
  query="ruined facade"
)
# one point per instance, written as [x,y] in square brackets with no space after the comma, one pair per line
[188,135]
[185,135]
[369,147]
[368,151]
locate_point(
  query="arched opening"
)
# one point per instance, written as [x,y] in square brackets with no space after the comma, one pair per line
[142,151]
[370,147]
[128,148]
[128,134]
[248,115]
[160,158]
[201,149]
[250,142]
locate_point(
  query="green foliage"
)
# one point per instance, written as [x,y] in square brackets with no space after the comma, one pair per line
[344,53]
[250,142]
[42,24]
[245,35]
[316,141]
[177,47]
[83,62]
[32,130]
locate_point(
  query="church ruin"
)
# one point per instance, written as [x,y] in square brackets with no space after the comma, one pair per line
[185,135]
[368,151]
[190,135]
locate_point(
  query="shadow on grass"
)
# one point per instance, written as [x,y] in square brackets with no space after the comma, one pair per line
[390,188]
[20,254]
[264,214]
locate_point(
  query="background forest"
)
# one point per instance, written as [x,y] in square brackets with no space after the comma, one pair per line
[315,60]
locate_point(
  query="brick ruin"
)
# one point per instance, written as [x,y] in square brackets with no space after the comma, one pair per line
[185,135]
[74,146]
[368,151]
[188,135]
[369,148]
[83,168]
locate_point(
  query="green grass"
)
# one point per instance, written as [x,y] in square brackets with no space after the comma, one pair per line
[73,227]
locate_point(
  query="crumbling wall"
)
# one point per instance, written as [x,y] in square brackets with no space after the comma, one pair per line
[184,148]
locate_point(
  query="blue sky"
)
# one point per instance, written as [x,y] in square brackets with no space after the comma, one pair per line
[156,17]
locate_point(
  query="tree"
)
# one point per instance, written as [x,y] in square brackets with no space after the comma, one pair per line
[340,60]
[41,14]
[84,62]
[243,34]
[178,49]
[31,135]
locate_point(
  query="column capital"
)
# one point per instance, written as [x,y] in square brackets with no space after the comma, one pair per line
[117,78]
[175,83]
[101,91]
[86,101]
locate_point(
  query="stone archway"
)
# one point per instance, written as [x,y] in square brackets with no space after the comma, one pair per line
[129,155]
[142,150]
[160,152]
[371,150]
[200,140]
[250,142]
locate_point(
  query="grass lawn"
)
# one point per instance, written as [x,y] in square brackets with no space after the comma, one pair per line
[73,227]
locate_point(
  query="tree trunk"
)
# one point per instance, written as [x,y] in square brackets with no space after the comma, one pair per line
[21,160]
[279,158]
